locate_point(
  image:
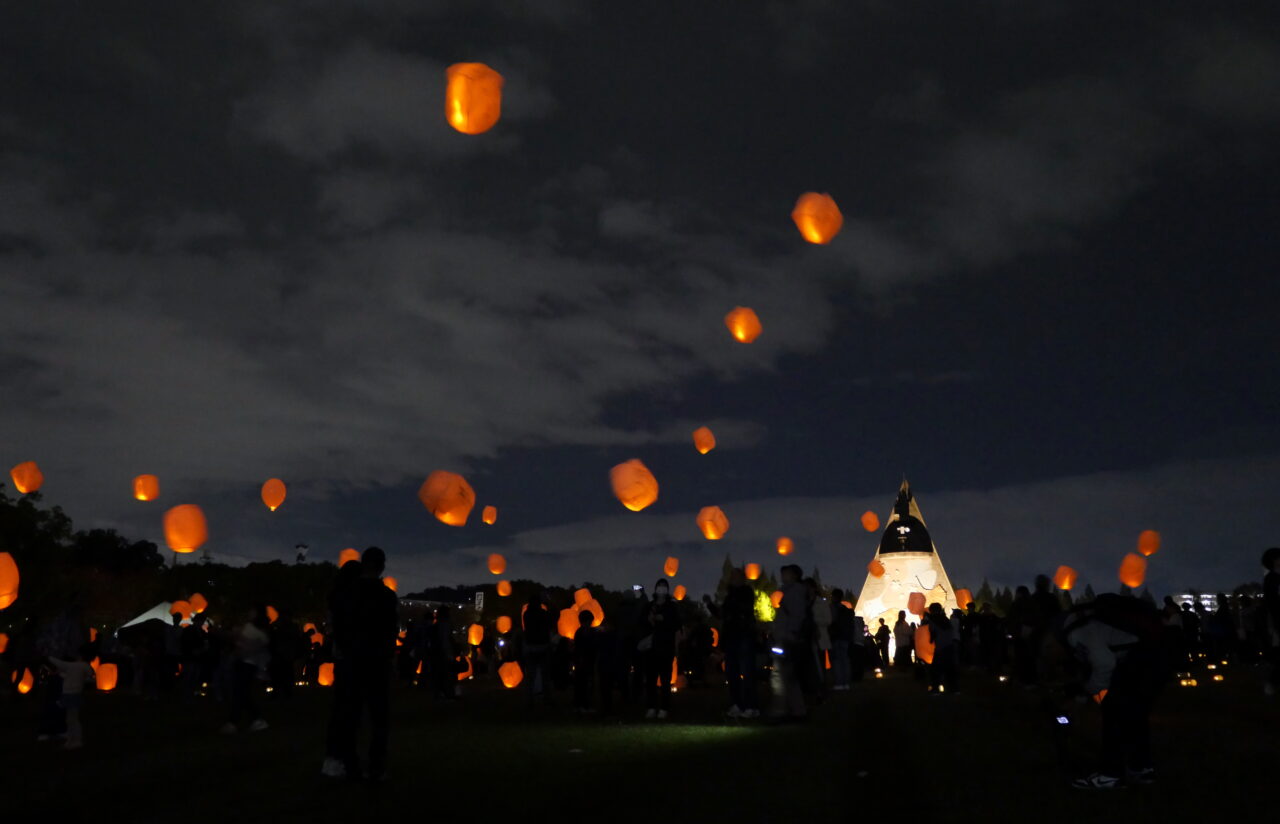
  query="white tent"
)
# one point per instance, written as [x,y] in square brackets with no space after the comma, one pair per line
[159,612]
[911,564]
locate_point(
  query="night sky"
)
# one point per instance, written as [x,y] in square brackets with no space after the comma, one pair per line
[238,240]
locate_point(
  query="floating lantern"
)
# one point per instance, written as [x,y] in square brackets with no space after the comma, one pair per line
[182,609]
[489,515]
[597,611]
[633,484]
[273,614]
[504,588]
[9,580]
[713,523]
[581,596]
[473,97]
[504,625]
[317,639]
[915,603]
[107,675]
[870,521]
[146,487]
[475,635]
[26,477]
[510,674]
[346,555]
[703,440]
[671,567]
[1149,542]
[497,564]
[752,571]
[1133,570]
[924,644]
[1065,578]
[28,681]
[324,676]
[743,324]
[785,546]
[198,603]
[448,496]
[185,529]
[715,637]
[391,583]
[273,493]
[817,217]
[568,623]
[776,598]
[876,568]
[679,592]
[963,599]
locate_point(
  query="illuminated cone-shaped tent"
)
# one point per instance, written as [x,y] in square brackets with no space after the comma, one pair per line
[911,564]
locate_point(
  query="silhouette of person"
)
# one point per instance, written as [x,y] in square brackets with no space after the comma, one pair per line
[537,649]
[663,621]
[586,649]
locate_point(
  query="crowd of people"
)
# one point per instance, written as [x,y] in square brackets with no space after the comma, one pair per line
[1118,650]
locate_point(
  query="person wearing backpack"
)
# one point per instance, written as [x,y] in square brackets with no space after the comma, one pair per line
[1122,643]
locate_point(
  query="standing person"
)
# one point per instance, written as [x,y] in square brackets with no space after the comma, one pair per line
[75,674]
[172,654]
[536,649]
[943,672]
[663,621]
[903,640]
[820,640]
[195,649]
[858,644]
[586,651]
[1271,610]
[340,606]
[841,633]
[790,647]
[883,634]
[367,633]
[249,661]
[443,656]
[738,641]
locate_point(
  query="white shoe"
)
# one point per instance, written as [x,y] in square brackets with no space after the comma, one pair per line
[651,714]
[662,715]
[734,712]
[227,728]
[258,726]
[333,768]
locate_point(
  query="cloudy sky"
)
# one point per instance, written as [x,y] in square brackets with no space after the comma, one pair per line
[238,240]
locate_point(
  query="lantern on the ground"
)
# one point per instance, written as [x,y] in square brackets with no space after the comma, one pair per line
[963,599]
[870,521]
[26,477]
[924,644]
[752,571]
[876,568]
[915,603]
[504,588]
[633,484]
[146,487]
[1149,542]
[1065,578]
[703,440]
[475,635]
[9,580]
[1133,570]
[713,523]
[489,515]
[448,496]
[473,97]
[510,674]
[346,555]
[185,529]
[743,324]
[671,566]
[497,564]
[504,624]
[107,676]
[679,592]
[817,217]
[391,583]
[324,676]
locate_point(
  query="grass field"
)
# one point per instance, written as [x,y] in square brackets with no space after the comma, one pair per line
[883,749]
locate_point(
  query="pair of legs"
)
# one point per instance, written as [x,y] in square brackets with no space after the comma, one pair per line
[360,684]
[740,672]
[840,663]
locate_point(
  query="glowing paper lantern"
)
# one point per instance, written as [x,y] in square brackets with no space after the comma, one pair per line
[324,676]
[309,627]
[597,611]
[146,487]
[870,521]
[743,324]
[510,674]
[489,515]
[26,477]
[568,623]
[633,484]
[448,496]
[183,609]
[581,596]
[391,583]
[915,603]
[713,523]
[28,681]
[817,217]
[4,642]
[752,571]
[497,564]
[671,566]
[473,97]
[1133,570]
[785,546]
[273,614]
[198,603]
[776,598]
[924,644]
[876,568]
[466,673]
[1149,542]
[107,676]
[273,493]
[963,598]
[346,555]
[703,440]
[185,529]
[317,639]
[9,580]
[1065,578]
[504,588]
[679,592]
[715,637]
[504,625]
[475,635]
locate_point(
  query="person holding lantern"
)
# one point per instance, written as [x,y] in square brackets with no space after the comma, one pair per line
[659,650]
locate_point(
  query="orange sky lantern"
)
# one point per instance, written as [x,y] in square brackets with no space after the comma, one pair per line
[715,637]
[915,603]
[671,566]
[775,598]
[504,624]
[633,484]
[703,440]
[489,515]
[752,571]
[468,672]
[346,555]
[870,521]
[713,523]
[679,592]
[510,674]
[1133,570]
[448,496]
[1149,542]
[473,97]
[324,676]
[1065,578]
[475,635]
[497,564]
[183,609]
[273,614]
[504,588]
[786,546]
[9,580]
[4,642]
[963,598]
[924,644]
[743,324]
[185,529]
[597,611]
[28,681]
[391,583]
[146,487]
[107,676]
[581,596]
[26,477]
[273,493]
[568,623]
[876,568]
[817,217]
